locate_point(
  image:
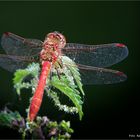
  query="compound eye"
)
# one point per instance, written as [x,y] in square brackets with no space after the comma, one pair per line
[51,35]
[58,36]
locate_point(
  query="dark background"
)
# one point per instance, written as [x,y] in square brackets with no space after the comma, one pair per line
[110,111]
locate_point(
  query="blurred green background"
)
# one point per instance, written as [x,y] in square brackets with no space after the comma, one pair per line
[110,111]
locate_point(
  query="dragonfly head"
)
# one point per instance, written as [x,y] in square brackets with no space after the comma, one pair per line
[55,38]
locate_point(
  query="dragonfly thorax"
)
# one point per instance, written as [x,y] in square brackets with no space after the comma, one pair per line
[49,54]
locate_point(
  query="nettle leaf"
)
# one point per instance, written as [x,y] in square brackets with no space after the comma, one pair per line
[65,126]
[21,74]
[9,118]
[73,96]
[74,71]
[54,96]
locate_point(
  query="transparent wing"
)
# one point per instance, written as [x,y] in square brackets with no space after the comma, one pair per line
[94,75]
[12,63]
[16,45]
[103,55]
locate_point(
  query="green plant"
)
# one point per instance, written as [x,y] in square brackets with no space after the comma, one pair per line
[65,80]
[42,128]
[67,83]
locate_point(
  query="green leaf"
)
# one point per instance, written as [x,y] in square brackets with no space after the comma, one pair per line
[54,96]
[21,74]
[74,70]
[65,126]
[8,117]
[63,87]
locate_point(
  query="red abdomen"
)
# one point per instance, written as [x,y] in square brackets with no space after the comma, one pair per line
[38,95]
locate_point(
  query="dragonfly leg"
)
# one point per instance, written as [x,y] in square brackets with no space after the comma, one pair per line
[51,74]
[58,74]
[59,63]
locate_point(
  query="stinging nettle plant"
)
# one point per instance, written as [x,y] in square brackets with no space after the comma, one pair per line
[64,81]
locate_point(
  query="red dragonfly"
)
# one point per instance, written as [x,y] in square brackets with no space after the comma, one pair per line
[89,58]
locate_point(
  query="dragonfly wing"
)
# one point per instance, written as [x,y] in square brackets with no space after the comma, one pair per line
[94,75]
[103,55]
[12,63]
[16,45]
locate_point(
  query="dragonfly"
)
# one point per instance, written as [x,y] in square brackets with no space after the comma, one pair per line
[91,60]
